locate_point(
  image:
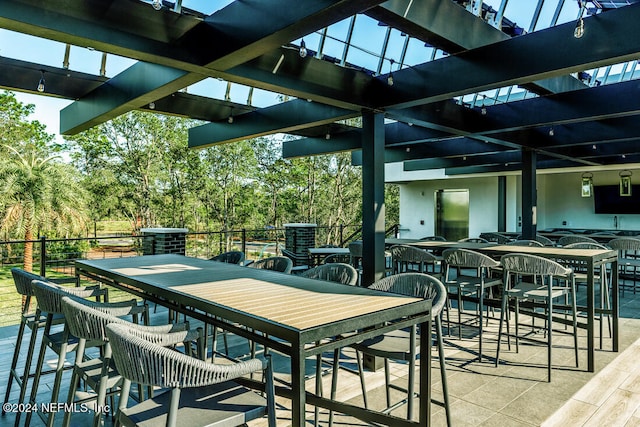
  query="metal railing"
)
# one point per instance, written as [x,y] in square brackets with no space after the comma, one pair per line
[55,257]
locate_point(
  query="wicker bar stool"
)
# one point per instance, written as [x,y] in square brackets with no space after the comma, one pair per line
[534,278]
[201,393]
[406,259]
[49,296]
[28,319]
[473,277]
[404,345]
[87,320]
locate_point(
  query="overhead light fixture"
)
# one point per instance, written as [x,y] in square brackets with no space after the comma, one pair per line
[483,111]
[230,119]
[587,184]
[157,4]
[327,136]
[625,183]
[390,78]
[579,30]
[303,49]
[41,82]
[551,132]
[152,105]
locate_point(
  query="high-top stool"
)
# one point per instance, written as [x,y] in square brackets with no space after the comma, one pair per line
[61,342]
[28,319]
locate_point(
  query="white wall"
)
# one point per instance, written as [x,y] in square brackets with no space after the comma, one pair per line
[563,202]
[559,200]
[417,204]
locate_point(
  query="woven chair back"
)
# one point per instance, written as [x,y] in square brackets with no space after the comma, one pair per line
[418,285]
[466,258]
[333,272]
[274,263]
[232,257]
[49,295]
[568,240]
[533,265]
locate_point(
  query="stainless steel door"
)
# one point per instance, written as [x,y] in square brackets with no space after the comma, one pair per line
[452,214]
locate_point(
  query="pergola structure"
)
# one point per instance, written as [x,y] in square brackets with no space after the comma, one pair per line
[454,84]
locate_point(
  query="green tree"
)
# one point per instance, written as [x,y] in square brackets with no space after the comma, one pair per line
[40,195]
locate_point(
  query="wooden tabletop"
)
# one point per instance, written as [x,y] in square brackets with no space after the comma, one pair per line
[293,302]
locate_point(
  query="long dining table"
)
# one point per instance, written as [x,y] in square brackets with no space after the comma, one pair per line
[588,259]
[298,317]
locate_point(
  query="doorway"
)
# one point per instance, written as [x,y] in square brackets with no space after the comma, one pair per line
[452,214]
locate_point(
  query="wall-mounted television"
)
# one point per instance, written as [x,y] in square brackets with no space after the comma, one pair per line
[607,200]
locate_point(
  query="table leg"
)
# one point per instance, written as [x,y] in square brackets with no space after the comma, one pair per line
[591,314]
[615,308]
[298,397]
[425,373]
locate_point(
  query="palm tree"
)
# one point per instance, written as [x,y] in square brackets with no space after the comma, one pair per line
[39,194]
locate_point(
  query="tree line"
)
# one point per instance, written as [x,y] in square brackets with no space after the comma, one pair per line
[138,167]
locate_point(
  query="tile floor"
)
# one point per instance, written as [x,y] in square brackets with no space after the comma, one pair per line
[515,393]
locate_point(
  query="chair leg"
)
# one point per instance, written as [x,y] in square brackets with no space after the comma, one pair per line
[387,382]
[549,335]
[459,313]
[575,325]
[73,386]
[319,390]
[517,321]
[443,370]
[14,360]
[58,380]
[362,384]
[503,307]
[334,380]
[36,376]
[27,364]
[481,324]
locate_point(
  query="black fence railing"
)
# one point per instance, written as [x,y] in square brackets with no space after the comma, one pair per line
[55,257]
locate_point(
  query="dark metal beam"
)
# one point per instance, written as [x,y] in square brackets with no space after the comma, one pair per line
[305,147]
[475,160]
[24,76]
[238,39]
[530,58]
[447,26]
[279,118]
[140,84]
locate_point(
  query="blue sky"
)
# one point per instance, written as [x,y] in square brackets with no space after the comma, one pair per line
[367,33]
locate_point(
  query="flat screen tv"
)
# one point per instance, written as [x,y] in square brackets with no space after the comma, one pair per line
[607,200]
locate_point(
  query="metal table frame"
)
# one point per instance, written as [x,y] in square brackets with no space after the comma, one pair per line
[179,289]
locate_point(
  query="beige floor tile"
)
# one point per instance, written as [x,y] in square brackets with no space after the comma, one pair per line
[573,413]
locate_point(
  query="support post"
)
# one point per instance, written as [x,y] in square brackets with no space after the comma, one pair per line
[529,195]
[373,227]
[502,203]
